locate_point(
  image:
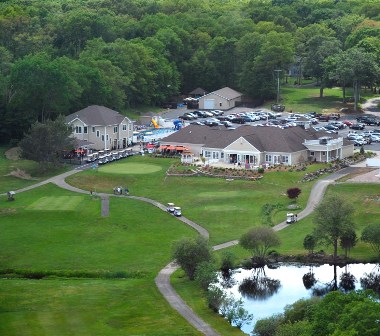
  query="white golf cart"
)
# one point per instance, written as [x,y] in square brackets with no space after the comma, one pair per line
[177,212]
[291,218]
[170,207]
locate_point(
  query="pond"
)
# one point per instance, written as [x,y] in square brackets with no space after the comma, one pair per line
[266,291]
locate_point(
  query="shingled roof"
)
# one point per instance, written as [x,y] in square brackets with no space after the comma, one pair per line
[269,139]
[226,93]
[97,116]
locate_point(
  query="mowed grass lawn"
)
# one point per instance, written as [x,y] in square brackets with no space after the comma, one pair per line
[90,307]
[9,182]
[51,229]
[225,208]
[306,98]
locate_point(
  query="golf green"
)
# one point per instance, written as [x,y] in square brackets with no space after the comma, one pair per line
[130,168]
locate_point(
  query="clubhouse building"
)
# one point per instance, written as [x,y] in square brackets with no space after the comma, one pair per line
[260,145]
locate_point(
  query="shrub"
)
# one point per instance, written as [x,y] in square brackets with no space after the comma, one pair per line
[228,259]
[205,274]
[190,252]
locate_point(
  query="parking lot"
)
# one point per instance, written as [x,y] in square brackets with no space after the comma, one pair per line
[375,146]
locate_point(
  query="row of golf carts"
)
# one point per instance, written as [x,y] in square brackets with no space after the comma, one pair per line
[176,211]
[104,157]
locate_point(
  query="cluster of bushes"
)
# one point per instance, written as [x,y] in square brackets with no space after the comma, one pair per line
[41,274]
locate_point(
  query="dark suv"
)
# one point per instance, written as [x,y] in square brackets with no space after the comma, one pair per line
[357,126]
[238,120]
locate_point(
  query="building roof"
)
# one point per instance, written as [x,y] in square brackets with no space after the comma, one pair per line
[269,139]
[97,115]
[198,91]
[226,93]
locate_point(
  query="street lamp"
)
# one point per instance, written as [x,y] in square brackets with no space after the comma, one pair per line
[278,85]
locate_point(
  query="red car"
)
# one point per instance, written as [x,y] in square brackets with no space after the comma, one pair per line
[348,123]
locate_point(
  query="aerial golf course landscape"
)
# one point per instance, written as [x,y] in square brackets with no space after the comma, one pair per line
[66,268]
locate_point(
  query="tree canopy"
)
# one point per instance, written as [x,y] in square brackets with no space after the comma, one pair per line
[57,57]
[45,142]
[333,219]
[259,240]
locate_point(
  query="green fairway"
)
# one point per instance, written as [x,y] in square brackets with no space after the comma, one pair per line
[87,308]
[56,203]
[124,167]
[136,237]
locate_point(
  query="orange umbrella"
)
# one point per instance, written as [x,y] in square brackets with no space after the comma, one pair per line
[170,148]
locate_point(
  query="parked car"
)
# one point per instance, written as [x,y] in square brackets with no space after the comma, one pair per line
[187,117]
[323,117]
[335,116]
[212,123]
[200,114]
[331,127]
[348,123]
[372,122]
[357,126]
[238,120]
[338,124]
[359,142]
[362,119]
[278,108]
[227,123]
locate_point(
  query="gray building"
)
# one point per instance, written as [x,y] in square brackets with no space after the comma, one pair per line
[102,127]
[257,145]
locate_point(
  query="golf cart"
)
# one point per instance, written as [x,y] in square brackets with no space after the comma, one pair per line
[291,218]
[170,207]
[177,212]
[11,195]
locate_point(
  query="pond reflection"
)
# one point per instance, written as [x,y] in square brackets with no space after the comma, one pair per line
[267,291]
[258,286]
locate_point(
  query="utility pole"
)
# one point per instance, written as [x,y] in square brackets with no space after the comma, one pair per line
[278,85]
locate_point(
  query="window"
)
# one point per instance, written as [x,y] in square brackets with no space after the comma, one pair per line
[93,130]
[222,155]
[78,129]
[268,158]
[285,159]
[115,129]
[107,137]
[130,127]
[311,153]
[97,134]
[102,137]
[124,127]
[207,154]
[85,129]
[215,155]
[323,153]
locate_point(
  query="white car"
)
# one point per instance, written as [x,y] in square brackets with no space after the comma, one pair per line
[374,138]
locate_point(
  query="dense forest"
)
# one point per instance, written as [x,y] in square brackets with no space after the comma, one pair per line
[58,56]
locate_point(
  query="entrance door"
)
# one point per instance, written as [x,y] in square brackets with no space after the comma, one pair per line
[276,159]
[250,159]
